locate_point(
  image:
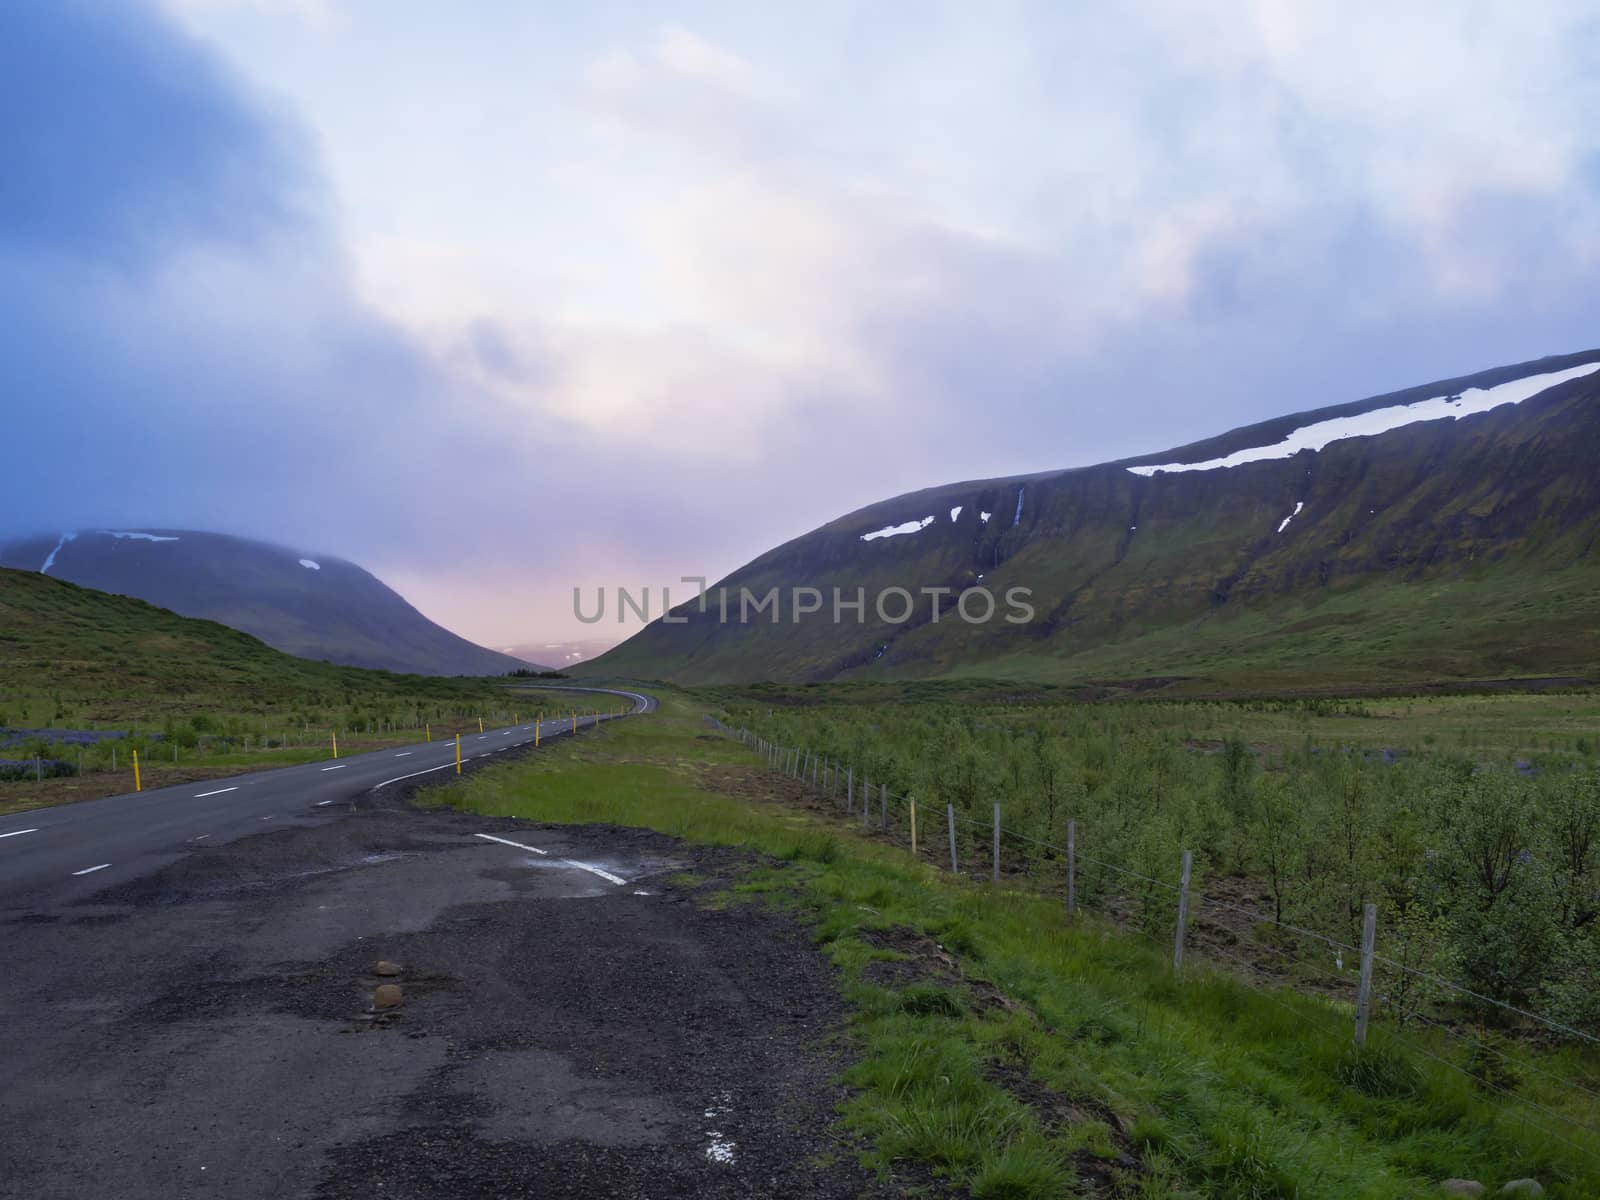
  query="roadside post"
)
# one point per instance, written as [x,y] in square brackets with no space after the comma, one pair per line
[1183,910]
[1369,934]
[427,732]
[1072,868]
[136,784]
[458,754]
[336,743]
[912,801]
[950,816]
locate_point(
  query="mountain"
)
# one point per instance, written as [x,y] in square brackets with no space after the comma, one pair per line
[313,606]
[74,657]
[1445,532]
[560,655]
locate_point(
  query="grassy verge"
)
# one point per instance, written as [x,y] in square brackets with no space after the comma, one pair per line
[1017,1057]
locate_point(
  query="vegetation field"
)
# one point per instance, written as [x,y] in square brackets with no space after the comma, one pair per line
[1473,823]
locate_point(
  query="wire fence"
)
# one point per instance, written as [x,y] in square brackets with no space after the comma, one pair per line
[1209,928]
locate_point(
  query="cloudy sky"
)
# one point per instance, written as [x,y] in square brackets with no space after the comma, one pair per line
[503,298]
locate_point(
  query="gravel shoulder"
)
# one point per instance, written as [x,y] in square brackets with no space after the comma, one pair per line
[209,1030]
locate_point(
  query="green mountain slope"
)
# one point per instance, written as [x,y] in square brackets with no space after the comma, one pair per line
[1443,549]
[73,648]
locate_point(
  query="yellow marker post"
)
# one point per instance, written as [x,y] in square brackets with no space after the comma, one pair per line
[912,800]
[458,754]
[480,724]
[574,722]
[136,784]
[536,736]
[336,743]
[427,732]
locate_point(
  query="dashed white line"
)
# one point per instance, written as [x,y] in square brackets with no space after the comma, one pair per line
[489,837]
[18,833]
[92,870]
[325,803]
[405,754]
[218,792]
[340,767]
[201,838]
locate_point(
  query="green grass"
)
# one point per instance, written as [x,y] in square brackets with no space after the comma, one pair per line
[1053,1050]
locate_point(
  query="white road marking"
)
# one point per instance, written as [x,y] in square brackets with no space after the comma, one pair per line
[218,792]
[340,767]
[481,736]
[594,870]
[405,754]
[413,775]
[507,733]
[92,870]
[201,838]
[489,837]
[268,817]
[18,833]
[325,803]
[571,862]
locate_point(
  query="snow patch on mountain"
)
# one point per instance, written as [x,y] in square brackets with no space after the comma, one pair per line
[1284,524]
[1020,493]
[310,564]
[50,560]
[984,517]
[889,531]
[1381,420]
[955,512]
[138,537]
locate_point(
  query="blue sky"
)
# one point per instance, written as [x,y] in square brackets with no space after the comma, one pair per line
[501,299]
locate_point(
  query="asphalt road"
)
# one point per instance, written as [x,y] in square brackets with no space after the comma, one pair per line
[59,854]
[578,1019]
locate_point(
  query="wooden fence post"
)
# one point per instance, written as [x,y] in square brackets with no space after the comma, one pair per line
[1183,910]
[950,816]
[850,790]
[911,802]
[1369,937]
[883,806]
[996,879]
[1072,869]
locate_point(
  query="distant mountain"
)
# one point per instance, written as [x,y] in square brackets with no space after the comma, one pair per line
[310,605]
[560,655]
[1444,532]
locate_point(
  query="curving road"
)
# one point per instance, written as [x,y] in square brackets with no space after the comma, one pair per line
[58,854]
